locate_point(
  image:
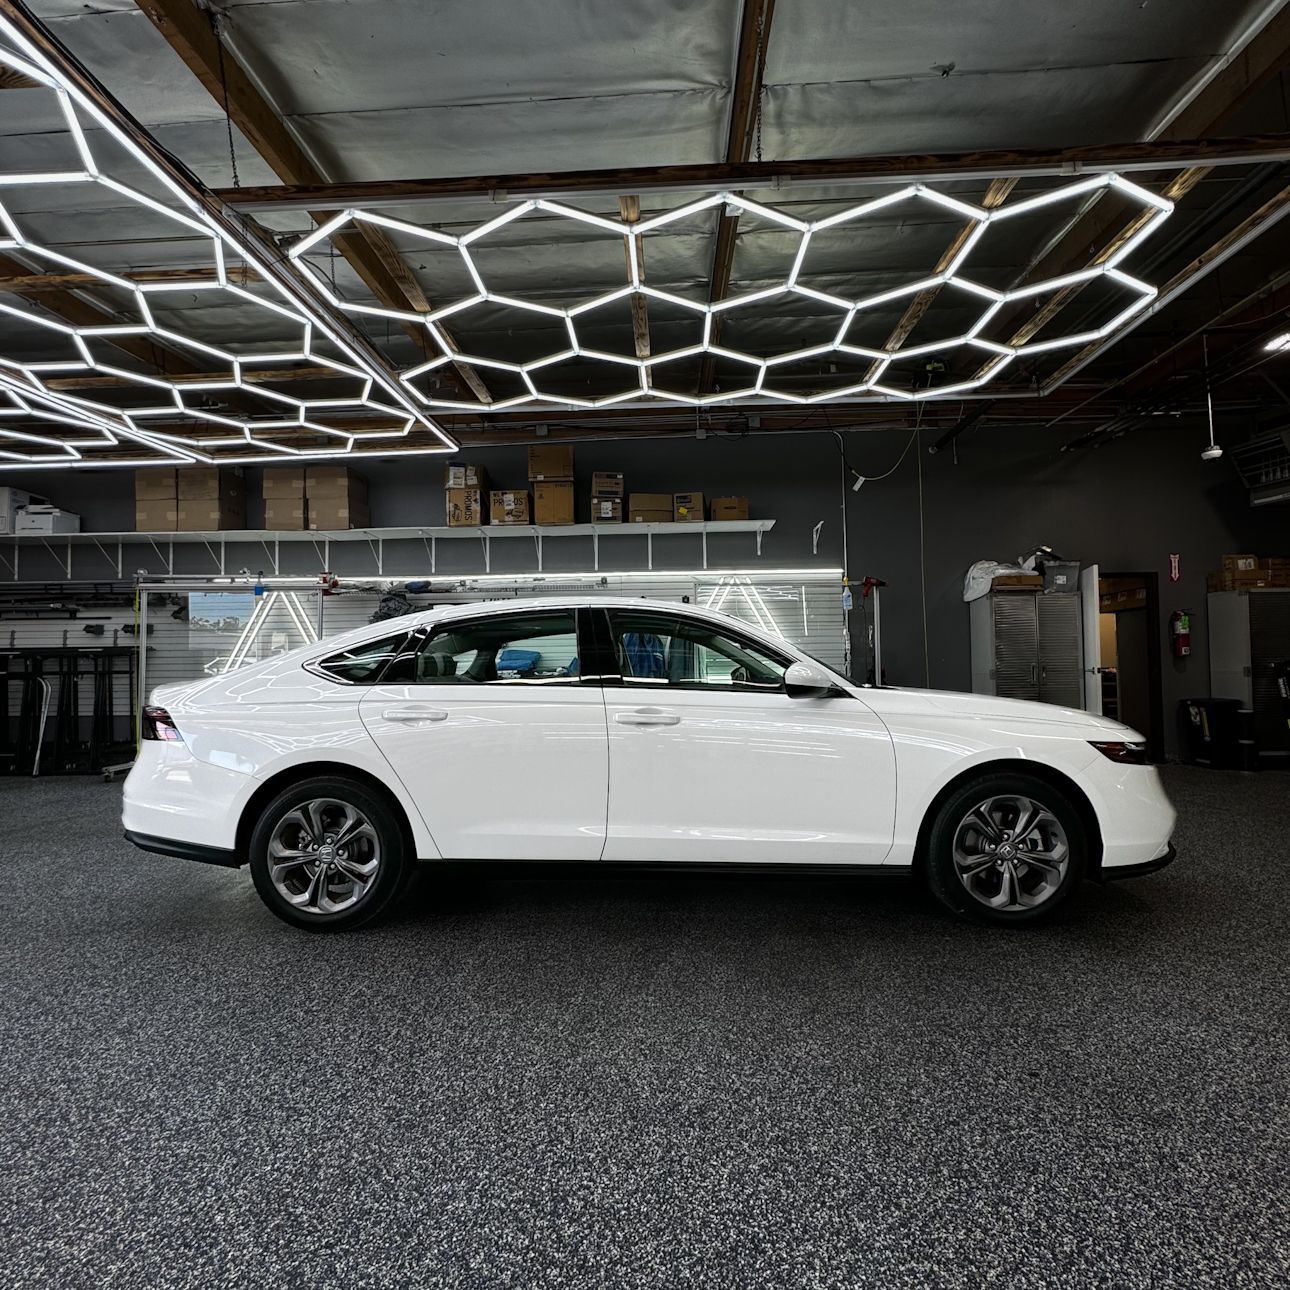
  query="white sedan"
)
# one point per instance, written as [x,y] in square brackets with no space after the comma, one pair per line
[615,733]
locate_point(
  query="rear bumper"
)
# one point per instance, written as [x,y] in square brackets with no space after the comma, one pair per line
[1142,869]
[185,850]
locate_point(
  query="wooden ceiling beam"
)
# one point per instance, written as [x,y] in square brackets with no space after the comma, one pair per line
[985,164]
[190,32]
[745,123]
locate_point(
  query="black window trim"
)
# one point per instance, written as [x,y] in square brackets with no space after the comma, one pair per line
[317,666]
[612,673]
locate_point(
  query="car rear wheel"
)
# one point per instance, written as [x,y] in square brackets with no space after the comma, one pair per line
[328,854]
[1006,848]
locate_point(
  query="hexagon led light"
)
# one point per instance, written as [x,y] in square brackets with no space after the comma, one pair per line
[637,374]
[223,403]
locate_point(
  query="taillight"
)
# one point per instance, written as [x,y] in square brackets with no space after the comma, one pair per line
[1134,754]
[158,724]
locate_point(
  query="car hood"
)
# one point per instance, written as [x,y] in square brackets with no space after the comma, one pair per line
[987,707]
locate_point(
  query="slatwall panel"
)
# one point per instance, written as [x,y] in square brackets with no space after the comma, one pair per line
[805,610]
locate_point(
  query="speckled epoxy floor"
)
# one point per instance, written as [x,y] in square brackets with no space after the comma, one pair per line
[654,1082]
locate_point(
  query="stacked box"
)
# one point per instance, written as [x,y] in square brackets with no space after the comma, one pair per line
[465,474]
[729,508]
[553,503]
[507,506]
[210,499]
[606,497]
[156,500]
[464,507]
[550,462]
[687,508]
[284,499]
[335,498]
[650,508]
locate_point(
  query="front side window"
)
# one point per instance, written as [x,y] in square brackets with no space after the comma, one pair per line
[505,649]
[362,664]
[659,649]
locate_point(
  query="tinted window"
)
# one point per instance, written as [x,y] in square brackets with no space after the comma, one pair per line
[655,649]
[363,664]
[515,649]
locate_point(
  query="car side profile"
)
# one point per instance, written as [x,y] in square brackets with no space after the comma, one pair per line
[616,733]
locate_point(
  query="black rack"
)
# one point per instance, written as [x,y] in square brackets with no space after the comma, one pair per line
[49,727]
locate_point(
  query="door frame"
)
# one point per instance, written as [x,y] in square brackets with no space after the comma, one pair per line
[1155,731]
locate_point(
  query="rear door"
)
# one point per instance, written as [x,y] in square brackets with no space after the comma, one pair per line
[710,759]
[498,737]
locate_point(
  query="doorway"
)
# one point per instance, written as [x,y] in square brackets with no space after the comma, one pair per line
[1129,630]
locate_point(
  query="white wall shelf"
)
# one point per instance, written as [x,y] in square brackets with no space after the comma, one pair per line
[111,547]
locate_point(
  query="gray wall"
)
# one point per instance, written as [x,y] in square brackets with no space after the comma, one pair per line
[1126,506]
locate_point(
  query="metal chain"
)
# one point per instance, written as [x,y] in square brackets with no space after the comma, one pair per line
[761,73]
[217,26]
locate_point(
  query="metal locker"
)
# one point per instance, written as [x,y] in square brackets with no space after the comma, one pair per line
[1061,650]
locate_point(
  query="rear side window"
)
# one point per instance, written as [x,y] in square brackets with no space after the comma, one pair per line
[503,649]
[362,664]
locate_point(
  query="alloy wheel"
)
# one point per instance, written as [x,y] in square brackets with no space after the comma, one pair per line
[324,856]
[1011,853]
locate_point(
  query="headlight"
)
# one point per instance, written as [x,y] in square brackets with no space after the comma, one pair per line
[1134,754]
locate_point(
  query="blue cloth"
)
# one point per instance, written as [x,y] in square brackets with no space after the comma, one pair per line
[644,654]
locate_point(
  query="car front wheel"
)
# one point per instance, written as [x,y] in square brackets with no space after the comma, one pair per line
[1006,848]
[328,854]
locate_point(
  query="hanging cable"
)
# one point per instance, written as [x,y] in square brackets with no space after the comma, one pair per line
[217,26]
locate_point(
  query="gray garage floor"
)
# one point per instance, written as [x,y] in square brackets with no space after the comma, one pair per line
[713,1082]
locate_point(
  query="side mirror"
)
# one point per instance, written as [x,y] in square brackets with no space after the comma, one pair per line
[806,681]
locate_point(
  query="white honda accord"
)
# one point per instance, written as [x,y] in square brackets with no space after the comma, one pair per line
[612,733]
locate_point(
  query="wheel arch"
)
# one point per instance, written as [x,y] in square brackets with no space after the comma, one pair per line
[297,774]
[1017,766]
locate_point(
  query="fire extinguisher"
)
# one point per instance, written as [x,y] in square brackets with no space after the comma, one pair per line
[1180,633]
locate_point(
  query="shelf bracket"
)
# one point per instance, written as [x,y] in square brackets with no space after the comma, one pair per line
[11,565]
[429,544]
[704,535]
[649,548]
[537,542]
[64,565]
[167,560]
[595,549]
[488,550]
[217,556]
[107,555]
[760,531]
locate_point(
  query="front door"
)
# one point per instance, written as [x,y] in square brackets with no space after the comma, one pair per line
[498,739]
[710,759]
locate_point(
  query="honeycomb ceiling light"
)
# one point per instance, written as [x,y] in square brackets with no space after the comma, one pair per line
[637,374]
[44,422]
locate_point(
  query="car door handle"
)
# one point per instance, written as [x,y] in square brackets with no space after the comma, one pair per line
[647,717]
[416,712]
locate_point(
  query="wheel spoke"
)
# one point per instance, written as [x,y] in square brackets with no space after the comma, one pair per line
[1030,815]
[984,824]
[970,866]
[1034,862]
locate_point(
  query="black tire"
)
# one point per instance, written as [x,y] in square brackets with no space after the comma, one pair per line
[1022,877]
[287,812]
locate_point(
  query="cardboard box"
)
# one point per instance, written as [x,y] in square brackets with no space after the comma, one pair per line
[11,501]
[464,507]
[43,518]
[550,461]
[339,511]
[156,514]
[334,481]
[464,474]
[209,483]
[286,514]
[606,510]
[211,514]
[729,508]
[553,503]
[606,483]
[1017,582]
[284,482]
[508,507]
[1242,563]
[155,484]
[687,508]
[649,515]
